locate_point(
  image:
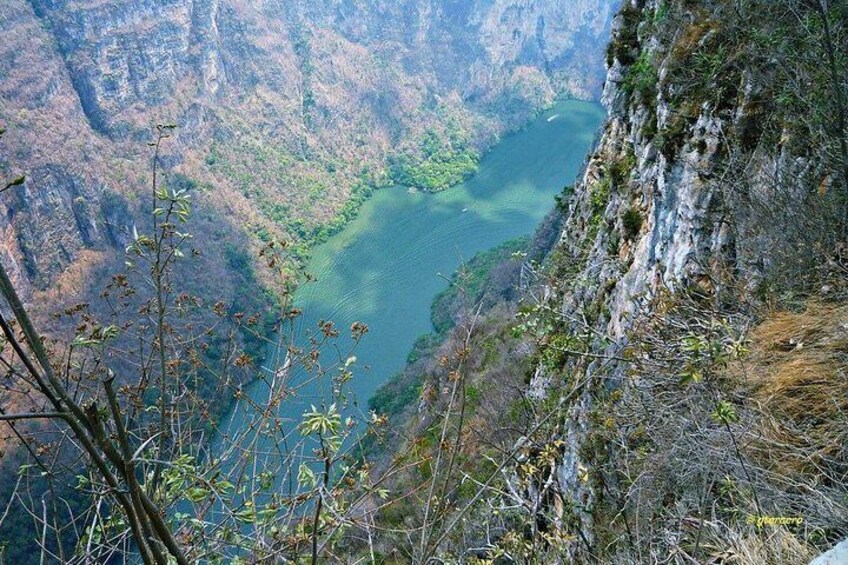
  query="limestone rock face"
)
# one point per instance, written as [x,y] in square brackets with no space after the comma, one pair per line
[283,107]
[836,556]
[653,212]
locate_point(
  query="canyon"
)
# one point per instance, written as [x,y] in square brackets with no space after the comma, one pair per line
[656,375]
[287,112]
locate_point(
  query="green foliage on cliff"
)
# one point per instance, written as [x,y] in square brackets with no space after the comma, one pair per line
[631,221]
[470,282]
[445,160]
[641,77]
[624,45]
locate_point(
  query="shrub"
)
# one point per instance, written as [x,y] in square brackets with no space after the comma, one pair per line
[642,77]
[620,169]
[625,43]
[631,223]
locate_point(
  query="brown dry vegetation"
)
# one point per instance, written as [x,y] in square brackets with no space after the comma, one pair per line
[796,373]
[723,422]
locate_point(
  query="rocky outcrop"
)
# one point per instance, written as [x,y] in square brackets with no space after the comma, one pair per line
[690,188]
[838,554]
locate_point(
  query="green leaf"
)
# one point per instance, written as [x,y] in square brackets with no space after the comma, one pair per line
[305,476]
[196,494]
[82,341]
[320,422]
[694,344]
[725,413]
[691,377]
[247,516]
[225,485]
[109,332]
[23,468]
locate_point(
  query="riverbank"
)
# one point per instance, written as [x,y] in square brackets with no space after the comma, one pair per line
[386,266]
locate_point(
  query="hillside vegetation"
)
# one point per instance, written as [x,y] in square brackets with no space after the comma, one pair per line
[168,275]
[289,113]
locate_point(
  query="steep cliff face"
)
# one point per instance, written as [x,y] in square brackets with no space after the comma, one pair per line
[684,399]
[667,385]
[287,111]
[708,194]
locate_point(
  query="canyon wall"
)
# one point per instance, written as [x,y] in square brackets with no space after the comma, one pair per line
[286,111]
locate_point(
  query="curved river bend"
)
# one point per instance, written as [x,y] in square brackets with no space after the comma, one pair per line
[386,266]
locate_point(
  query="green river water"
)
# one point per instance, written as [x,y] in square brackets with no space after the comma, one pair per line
[384,268]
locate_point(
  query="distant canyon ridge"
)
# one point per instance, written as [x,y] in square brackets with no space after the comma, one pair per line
[288,114]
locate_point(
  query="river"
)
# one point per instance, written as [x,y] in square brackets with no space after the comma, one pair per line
[386,266]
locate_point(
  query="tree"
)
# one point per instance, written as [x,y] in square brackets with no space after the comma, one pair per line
[123,411]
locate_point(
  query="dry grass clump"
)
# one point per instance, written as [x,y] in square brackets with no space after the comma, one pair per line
[797,373]
[773,546]
[727,424]
[691,37]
